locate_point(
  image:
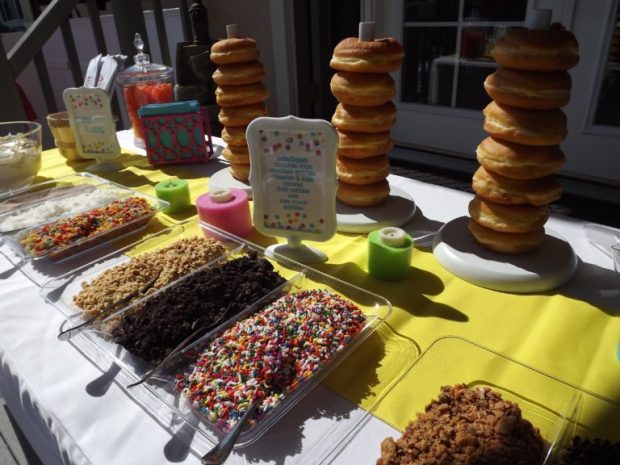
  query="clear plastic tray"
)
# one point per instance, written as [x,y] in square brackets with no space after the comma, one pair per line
[166,404]
[40,269]
[163,384]
[62,297]
[60,253]
[62,188]
[595,417]
[64,181]
[558,409]
[61,290]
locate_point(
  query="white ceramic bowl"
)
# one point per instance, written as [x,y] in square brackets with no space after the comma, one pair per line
[20,154]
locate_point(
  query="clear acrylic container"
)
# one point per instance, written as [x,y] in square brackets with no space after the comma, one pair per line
[55,190]
[168,405]
[558,409]
[63,252]
[12,256]
[26,194]
[61,290]
[142,84]
[20,154]
[59,260]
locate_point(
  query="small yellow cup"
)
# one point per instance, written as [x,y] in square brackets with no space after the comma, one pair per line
[63,135]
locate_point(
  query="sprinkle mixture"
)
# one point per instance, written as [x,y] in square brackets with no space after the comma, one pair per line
[268,354]
[66,231]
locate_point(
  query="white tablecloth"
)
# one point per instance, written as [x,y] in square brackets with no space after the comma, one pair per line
[72,412]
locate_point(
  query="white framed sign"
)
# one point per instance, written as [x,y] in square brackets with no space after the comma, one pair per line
[93,129]
[293,179]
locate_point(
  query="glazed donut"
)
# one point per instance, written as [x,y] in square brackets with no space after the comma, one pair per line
[240,96]
[503,242]
[362,171]
[529,127]
[553,49]
[365,119]
[376,56]
[239,73]
[508,218]
[362,89]
[365,195]
[236,50]
[241,116]
[236,155]
[235,135]
[529,89]
[362,145]
[240,172]
[519,161]
[499,189]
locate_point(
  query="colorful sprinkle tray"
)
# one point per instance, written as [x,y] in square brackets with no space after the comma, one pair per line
[159,396]
[130,223]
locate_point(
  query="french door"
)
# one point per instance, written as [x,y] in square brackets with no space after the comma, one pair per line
[447,44]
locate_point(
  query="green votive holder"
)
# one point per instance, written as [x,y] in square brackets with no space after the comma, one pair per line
[389,253]
[175,191]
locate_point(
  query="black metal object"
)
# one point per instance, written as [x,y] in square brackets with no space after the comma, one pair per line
[95,23]
[161,32]
[72,56]
[46,83]
[185,21]
[41,67]
[11,108]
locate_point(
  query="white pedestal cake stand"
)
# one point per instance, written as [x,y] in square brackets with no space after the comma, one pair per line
[397,209]
[543,269]
[222,179]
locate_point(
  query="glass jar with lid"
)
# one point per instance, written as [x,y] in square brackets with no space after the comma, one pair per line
[144,83]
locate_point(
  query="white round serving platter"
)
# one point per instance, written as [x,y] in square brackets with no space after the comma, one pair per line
[222,179]
[396,210]
[543,269]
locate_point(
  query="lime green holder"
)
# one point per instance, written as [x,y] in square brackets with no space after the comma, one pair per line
[176,192]
[388,262]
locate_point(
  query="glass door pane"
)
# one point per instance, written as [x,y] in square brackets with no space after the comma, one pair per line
[447,45]
[608,107]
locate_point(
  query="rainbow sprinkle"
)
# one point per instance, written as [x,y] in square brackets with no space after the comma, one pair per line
[268,354]
[66,231]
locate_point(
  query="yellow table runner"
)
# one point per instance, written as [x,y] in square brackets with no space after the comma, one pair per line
[565,337]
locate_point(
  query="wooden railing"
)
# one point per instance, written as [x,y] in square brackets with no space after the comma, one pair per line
[128,19]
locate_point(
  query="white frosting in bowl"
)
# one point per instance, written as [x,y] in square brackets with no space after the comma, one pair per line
[20,161]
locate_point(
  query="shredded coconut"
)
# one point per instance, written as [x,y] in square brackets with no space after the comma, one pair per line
[55,208]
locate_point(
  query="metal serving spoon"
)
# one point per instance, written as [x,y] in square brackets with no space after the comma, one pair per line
[222,449]
[69,333]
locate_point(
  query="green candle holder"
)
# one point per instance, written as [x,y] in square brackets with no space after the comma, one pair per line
[389,253]
[176,192]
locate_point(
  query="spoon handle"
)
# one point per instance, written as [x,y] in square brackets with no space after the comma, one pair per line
[69,333]
[222,449]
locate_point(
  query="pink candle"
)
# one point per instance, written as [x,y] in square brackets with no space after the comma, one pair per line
[227,209]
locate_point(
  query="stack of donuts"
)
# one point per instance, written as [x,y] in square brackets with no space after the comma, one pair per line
[241,96]
[514,184]
[364,116]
